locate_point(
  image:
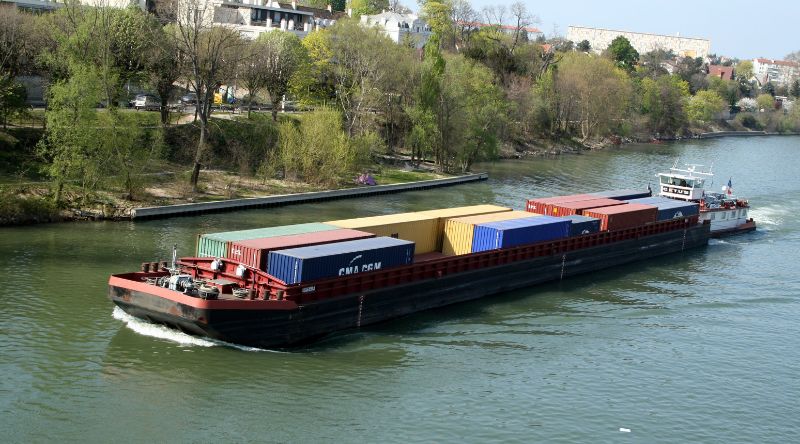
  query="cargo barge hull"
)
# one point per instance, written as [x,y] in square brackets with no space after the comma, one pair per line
[285,324]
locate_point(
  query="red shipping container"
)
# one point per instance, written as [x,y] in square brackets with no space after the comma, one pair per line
[254,252]
[573,208]
[620,217]
[539,205]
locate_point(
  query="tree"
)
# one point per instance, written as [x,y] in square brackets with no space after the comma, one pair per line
[282,56]
[691,70]
[769,88]
[663,102]
[744,70]
[651,63]
[765,102]
[794,91]
[368,7]
[164,64]
[315,83]
[211,57]
[704,106]
[593,92]
[793,56]
[584,46]
[623,53]
[727,89]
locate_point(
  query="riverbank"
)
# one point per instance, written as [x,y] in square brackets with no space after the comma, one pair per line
[169,194]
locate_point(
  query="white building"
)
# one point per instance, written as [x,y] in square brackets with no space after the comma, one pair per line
[253,17]
[779,72]
[400,28]
[600,38]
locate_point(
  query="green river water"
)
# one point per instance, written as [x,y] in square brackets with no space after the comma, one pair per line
[698,347]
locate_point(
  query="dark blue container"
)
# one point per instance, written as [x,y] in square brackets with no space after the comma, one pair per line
[582,225]
[670,208]
[305,264]
[510,233]
[623,194]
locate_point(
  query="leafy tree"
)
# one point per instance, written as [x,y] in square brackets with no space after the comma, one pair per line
[651,63]
[593,92]
[765,102]
[769,88]
[703,106]
[623,53]
[747,104]
[164,64]
[727,89]
[282,56]
[663,102]
[315,83]
[794,91]
[368,7]
[12,98]
[744,70]
[584,46]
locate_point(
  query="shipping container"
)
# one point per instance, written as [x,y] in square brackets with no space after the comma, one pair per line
[620,217]
[448,213]
[422,229]
[670,208]
[216,244]
[570,208]
[581,225]
[538,205]
[458,232]
[306,264]
[511,233]
[623,194]
[255,252]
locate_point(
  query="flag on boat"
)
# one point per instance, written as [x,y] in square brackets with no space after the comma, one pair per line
[730,187]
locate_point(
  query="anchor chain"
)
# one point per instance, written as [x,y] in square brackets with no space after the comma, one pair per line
[360,309]
[563,265]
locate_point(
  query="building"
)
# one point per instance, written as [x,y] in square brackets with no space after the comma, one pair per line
[400,28]
[779,72]
[722,72]
[253,17]
[600,38]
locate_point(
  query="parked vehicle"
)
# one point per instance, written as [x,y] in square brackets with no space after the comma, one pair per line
[147,102]
[189,99]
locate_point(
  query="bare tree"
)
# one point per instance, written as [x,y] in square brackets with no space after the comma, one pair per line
[464,18]
[396,6]
[253,71]
[212,53]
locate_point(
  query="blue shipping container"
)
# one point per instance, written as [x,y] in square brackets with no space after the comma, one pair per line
[306,264]
[623,194]
[580,225]
[510,233]
[670,208]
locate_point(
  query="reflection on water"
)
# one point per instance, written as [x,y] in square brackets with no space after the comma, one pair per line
[683,348]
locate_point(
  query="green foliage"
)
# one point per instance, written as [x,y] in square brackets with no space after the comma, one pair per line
[748,120]
[368,7]
[794,90]
[727,89]
[702,108]
[584,46]
[663,102]
[315,83]
[623,53]
[744,70]
[16,208]
[12,98]
[769,88]
[766,102]
[282,56]
[316,150]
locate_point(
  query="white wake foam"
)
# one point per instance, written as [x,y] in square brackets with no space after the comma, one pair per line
[145,328]
[770,216]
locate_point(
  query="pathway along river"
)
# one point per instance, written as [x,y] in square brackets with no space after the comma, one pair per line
[699,347]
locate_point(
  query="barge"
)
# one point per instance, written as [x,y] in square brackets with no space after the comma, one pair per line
[236,301]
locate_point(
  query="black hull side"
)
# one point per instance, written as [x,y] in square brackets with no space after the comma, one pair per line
[285,328]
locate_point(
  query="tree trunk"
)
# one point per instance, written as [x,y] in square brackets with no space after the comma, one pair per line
[164,111]
[275,110]
[198,156]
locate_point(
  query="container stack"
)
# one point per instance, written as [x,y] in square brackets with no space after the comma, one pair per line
[572,208]
[540,205]
[306,264]
[255,252]
[623,194]
[459,232]
[580,225]
[422,227]
[515,232]
[216,244]
[619,217]
[669,209]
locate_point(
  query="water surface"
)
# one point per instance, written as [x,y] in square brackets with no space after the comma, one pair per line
[700,347]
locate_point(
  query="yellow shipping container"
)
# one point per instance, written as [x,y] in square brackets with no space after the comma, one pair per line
[446,214]
[419,228]
[458,232]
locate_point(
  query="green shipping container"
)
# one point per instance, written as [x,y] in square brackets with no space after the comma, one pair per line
[216,244]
